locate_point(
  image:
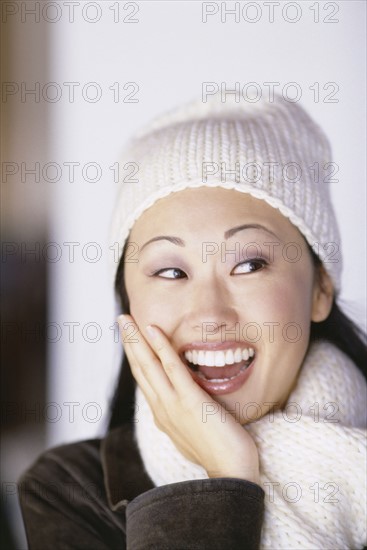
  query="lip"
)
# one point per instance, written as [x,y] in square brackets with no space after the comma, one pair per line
[223,387]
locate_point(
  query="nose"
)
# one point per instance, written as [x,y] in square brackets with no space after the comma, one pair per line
[210,307]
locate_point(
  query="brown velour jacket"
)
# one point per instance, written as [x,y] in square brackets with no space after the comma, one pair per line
[96,495]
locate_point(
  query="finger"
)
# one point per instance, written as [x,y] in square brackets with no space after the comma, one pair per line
[146,364]
[175,369]
[139,375]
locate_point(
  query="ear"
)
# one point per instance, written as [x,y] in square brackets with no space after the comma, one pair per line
[323,294]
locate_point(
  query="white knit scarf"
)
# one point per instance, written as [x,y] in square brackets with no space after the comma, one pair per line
[312,456]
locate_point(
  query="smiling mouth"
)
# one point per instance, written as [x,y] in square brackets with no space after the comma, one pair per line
[219,366]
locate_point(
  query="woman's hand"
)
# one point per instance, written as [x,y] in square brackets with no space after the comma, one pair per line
[215,441]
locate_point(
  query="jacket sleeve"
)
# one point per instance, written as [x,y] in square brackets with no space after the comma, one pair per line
[197,515]
[64,506]
[63,510]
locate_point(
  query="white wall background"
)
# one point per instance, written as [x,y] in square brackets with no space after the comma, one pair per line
[169,53]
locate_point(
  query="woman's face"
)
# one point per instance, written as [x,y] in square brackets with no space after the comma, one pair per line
[232,284]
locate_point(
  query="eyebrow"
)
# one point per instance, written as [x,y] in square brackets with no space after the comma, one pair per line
[234,230]
[227,234]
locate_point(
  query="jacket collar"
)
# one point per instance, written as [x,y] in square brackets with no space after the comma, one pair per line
[123,470]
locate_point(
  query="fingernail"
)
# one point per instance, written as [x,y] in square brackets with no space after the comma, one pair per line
[122,319]
[151,331]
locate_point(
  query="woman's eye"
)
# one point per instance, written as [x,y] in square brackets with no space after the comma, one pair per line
[170,273]
[249,266]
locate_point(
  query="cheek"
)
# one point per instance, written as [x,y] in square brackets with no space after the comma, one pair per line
[280,301]
[147,309]
[148,305]
[291,301]
[286,303]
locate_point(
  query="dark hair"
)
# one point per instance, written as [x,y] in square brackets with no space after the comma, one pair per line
[338,329]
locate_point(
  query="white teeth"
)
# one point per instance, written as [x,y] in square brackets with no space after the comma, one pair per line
[237,355]
[218,358]
[201,357]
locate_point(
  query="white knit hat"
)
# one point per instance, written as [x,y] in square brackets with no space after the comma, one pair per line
[270,149]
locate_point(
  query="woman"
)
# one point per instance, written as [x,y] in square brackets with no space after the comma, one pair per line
[239,415]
